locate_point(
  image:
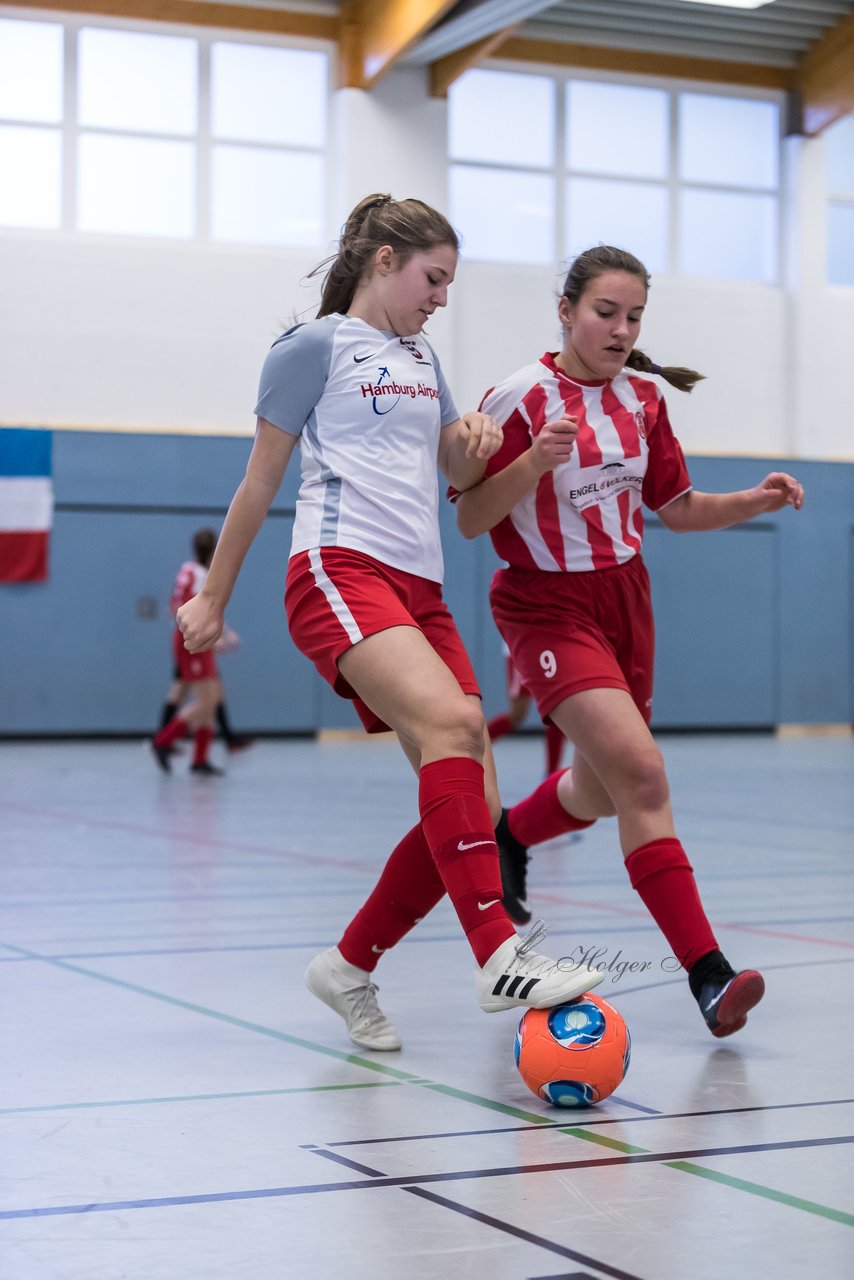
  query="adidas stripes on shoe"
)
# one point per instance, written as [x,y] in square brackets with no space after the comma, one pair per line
[515,975]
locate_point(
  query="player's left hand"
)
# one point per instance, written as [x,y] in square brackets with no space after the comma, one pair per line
[779,490]
[485,436]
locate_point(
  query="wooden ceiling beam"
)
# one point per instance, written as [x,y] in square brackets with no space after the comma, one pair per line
[231,17]
[640,62]
[825,77]
[446,70]
[375,34]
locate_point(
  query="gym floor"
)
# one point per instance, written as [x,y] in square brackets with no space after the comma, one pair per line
[174,1105]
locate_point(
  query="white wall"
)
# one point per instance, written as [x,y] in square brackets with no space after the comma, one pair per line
[108,331]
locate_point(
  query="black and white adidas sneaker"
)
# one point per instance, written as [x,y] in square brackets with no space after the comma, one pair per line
[516,976]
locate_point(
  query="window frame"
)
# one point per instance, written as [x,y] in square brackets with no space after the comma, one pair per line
[203,140]
[835,196]
[673,184]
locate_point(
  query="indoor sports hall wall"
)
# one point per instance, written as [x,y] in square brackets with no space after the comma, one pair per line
[753,623]
[131,332]
[156,346]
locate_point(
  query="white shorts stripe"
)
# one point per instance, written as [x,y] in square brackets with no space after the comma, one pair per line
[336,603]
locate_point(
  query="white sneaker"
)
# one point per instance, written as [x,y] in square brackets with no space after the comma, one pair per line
[515,975]
[350,992]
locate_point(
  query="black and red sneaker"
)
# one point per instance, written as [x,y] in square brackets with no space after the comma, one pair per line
[725,999]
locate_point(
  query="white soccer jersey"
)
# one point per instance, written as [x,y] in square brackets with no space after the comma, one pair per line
[368,407]
[586,514]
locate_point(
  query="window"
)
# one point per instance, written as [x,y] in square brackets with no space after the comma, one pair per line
[231,147]
[31,89]
[689,182]
[839,153]
[506,213]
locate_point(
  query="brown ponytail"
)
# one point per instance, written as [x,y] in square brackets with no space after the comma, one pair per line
[680,378]
[604,257]
[409,226]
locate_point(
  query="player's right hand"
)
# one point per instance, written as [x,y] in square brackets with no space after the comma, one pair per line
[554,442]
[201,622]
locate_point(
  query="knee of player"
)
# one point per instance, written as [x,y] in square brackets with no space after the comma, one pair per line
[465,726]
[648,780]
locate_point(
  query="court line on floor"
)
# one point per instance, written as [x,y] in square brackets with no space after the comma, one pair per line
[558,1166]
[521,1234]
[385,1069]
[563,900]
[728,1180]
[496,1223]
[285,1037]
[198,1097]
[588,1123]
[315,945]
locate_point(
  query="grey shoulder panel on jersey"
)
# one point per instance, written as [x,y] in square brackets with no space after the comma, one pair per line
[294,373]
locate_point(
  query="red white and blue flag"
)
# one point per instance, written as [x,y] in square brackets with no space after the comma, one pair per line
[26,503]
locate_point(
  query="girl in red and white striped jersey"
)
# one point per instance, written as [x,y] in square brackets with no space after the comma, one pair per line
[360,390]
[587,441]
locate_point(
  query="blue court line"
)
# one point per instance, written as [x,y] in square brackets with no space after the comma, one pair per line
[464,1175]
[320,945]
[189,951]
[589,1123]
[530,1118]
[528,1236]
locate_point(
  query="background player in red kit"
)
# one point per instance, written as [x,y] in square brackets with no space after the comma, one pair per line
[194,672]
[586,442]
[360,389]
[187,584]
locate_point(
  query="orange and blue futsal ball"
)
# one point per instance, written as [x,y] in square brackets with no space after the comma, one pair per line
[575,1054]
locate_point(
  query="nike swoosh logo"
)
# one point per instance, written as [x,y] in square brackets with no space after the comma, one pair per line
[362,359]
[475,843]
[379,950]
[716,998]
[482,906]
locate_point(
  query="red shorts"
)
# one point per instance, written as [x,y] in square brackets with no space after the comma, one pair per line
[572,631]
[336,597]
[192,666]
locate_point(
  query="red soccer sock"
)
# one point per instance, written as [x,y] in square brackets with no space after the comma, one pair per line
[204,738]
[458,829]
[408,888]
[554,747]
[664,878]
[541,816]
[499,727]
[174,730]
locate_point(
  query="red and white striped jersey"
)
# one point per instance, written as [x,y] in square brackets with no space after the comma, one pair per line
[586,514]
[191,578]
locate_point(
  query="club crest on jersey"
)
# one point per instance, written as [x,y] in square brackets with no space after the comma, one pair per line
[640,423]
[414,350]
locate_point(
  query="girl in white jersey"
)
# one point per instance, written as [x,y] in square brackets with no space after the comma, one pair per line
[586,441]
[361,391]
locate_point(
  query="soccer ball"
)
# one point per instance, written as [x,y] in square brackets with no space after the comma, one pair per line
[575,1054]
